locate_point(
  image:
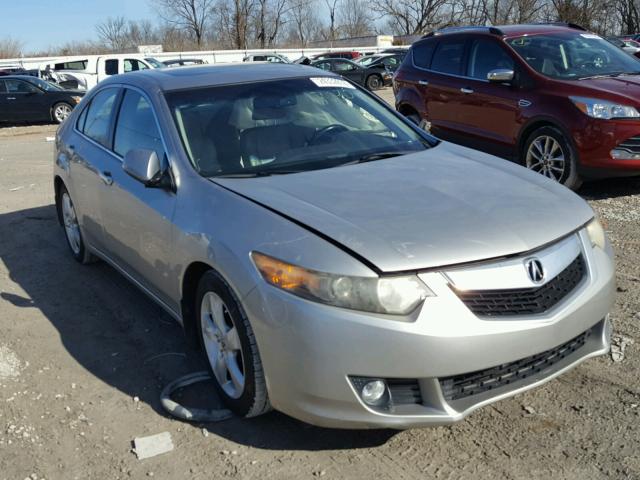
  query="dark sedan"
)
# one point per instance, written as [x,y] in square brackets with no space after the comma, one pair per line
[371,78]
[29,99]
[389,61]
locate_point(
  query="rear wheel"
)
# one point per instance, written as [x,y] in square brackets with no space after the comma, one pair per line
[230,348]
[60,112]
[374,82]
[418,120]
[548,152]
[67,213]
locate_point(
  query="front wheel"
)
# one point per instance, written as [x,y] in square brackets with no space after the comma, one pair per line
[230,348]
[548,152]
[60,112]
[374,82]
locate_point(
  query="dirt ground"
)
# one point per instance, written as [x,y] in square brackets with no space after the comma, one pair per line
[84,355]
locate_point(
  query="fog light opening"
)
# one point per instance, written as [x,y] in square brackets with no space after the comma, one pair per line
[373,392]
[619,154]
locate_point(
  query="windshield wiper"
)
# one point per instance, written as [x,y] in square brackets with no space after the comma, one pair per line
[605,75]
[371,157]
[261,173]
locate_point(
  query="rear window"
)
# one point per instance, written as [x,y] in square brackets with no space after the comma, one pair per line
[75,65]
[422,54]
[98,119]
[448,57]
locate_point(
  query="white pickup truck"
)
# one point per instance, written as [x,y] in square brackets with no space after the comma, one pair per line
[88,71]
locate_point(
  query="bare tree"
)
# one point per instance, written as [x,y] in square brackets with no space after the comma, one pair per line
[304,25]
[355,19]
[408,17]
[191,16]
[332,8]
[268,21]
[10,47]
[113,33]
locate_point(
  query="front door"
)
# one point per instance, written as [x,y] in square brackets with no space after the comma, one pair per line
[490,109]
[138,220]
[24,101]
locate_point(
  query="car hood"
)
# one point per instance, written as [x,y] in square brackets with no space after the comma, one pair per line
[625,86]
[443,206]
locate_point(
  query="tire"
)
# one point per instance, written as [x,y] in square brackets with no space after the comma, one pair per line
[374,82]
[548,151]
[72,232]
[60,112]
[419,121]
[229,354]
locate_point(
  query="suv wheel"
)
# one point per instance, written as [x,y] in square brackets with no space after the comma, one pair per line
[230,348]
[548,152]
[420,122]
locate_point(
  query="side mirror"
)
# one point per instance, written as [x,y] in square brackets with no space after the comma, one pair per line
[144,166]
[500,75]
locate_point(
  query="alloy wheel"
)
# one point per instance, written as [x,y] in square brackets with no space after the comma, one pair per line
[70,220]
[545,156]
[222,344]
[61,112]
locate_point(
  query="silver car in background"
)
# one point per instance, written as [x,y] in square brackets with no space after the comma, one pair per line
[333,261]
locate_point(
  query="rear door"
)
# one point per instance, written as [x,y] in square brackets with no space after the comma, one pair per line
[89,152]
[446,87]
[489,110]
[5,112]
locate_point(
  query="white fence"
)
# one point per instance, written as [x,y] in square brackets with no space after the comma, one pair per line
[211,56]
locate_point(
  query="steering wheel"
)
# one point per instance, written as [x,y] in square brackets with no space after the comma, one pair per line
[326,132]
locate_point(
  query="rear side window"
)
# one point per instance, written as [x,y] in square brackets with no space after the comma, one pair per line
[3,88]
[75,65]
[111,67]
[98,121]
[133,65]
[136,126]
[487,55]
[422,54]
[448,57]
[19,86]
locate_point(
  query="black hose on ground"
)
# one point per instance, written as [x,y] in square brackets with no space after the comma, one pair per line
[190,414]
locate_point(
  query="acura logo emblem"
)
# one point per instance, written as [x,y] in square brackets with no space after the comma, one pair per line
[535,270]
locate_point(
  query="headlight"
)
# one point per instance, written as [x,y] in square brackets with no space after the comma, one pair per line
[76,99]
[596,234]
[603,109]
[393,295]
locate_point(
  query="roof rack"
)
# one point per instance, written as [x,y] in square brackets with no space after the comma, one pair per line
[471,28]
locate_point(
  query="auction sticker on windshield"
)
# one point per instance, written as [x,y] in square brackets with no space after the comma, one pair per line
[331,82]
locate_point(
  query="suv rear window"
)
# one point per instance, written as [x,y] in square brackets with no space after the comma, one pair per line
[422,54]
[448,57]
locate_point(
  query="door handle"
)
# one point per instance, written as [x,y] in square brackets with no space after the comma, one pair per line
[11,98]
[466,90]
[423,82]
[106,177]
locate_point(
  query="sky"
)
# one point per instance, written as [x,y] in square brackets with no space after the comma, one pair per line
[43,23]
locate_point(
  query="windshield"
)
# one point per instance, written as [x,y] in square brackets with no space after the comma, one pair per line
[286,126]
[49,87]
[155,63]
[573,56]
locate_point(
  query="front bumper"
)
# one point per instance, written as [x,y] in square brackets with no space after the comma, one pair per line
[595,139]
[309,351]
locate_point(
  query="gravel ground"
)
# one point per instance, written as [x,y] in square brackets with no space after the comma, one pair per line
[83,357]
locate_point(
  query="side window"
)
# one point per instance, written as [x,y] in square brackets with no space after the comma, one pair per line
[259,58]
[133,65]
[111,67]
[136,126]
[448,57]
[98,121]
[324,65]
[3,88]
[19,86]
[487,55]
[344,67]
[422,54]
[390,61]
[82,119]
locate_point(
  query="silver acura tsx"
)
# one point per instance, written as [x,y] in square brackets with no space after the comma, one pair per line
[332,260]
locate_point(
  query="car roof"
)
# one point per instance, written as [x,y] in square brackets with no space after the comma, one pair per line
[511,30]
[202,76]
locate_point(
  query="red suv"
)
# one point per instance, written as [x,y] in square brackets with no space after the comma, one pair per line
[558,99]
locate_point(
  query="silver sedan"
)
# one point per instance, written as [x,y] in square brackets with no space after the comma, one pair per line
[332,260]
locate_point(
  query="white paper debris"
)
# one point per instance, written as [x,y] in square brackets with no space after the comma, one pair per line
[147,447]
[619,344]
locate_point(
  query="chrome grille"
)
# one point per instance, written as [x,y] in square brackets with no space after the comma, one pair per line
[525,301]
